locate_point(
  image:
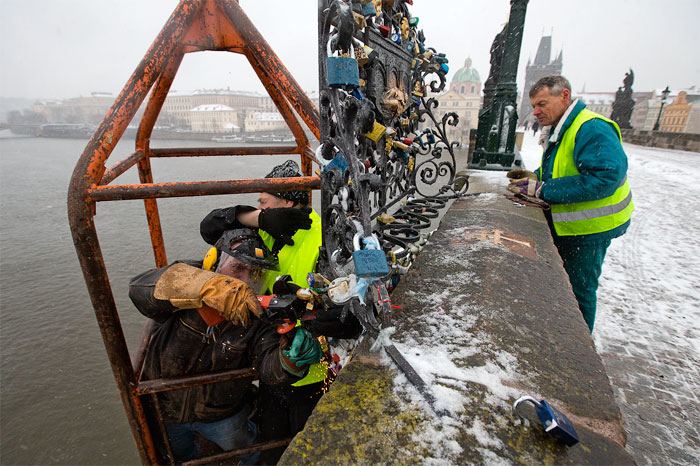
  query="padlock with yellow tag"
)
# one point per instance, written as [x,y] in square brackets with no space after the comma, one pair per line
[377,132]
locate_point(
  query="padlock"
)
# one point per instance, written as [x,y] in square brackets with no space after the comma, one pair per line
[342,71]
[359,20]
[357,94]
[342,289]
[553,420]
[444,67]
[418,89]
[403,156]
[368,9]
[361,55]
[317,282]
[370,263]
[401,146]
[396,37]
[404,28]
[370,52]
[387,218]
[388,145]
[430,137]
[413,21]
[377,132]
[338,162]
[385,30]
[304,294]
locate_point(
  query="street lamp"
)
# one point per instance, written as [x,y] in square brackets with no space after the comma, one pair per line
[664,95]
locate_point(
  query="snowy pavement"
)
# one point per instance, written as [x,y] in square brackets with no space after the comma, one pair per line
[647,328]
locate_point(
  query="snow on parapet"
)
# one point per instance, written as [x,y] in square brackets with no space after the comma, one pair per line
[444,360]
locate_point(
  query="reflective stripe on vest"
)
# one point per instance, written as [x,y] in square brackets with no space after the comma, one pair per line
[585,218]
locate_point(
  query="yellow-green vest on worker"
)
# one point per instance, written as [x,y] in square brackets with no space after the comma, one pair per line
[585,218]
[297,261]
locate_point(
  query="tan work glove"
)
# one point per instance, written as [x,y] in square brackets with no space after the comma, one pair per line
[520,173]
[188,287]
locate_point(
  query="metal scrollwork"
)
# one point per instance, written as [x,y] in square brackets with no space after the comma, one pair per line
[382,149]
[375,157]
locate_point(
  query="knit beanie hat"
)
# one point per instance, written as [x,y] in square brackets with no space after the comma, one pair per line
[289,169]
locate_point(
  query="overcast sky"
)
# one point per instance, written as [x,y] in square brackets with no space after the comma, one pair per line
[67,48]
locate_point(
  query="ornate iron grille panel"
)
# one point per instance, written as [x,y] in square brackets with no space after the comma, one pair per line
[387,165]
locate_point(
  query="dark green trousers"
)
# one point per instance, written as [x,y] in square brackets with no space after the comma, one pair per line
[583,263]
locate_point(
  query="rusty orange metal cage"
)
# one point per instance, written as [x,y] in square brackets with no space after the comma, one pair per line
[195,25]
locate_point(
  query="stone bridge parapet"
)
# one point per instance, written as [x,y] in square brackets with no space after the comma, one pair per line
[487,315]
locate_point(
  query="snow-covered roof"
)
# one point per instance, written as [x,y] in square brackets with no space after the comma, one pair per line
[200,92]
[267,116]
[600,98]
[226,92]
[212,108]
[177,93]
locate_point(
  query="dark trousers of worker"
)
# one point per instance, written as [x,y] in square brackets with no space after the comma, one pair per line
[282,412]
[584,263]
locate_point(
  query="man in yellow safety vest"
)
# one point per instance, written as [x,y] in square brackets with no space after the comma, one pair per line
[583,177]
[291,229]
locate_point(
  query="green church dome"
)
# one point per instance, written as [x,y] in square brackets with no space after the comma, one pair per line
[467,74]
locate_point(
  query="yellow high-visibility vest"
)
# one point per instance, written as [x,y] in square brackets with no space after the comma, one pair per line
[585,218]
[298,260]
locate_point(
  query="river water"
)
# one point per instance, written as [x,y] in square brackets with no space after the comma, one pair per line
[58,400]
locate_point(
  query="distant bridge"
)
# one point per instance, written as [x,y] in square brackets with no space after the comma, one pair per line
[21,128]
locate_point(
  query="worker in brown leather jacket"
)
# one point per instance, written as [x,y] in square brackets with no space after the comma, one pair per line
[207,322]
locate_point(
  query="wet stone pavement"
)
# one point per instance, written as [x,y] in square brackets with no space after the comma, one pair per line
[648,324]
[656,387]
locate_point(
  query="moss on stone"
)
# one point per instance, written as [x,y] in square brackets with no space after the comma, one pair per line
[359,421]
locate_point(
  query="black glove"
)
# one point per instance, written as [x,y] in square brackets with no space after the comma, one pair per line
[332,323]
[283,286]
[219,220]
[282,222]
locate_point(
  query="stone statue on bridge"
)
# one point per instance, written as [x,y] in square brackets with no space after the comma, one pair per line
[624,103]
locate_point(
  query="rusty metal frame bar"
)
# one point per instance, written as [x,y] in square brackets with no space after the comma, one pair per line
[215,459]
[200,188]
[175,383]
[91,179]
